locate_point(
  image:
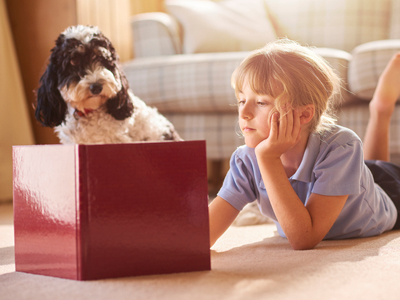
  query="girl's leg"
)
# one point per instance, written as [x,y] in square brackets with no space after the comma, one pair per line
[381,107]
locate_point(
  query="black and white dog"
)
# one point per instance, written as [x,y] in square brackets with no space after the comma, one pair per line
[85,95]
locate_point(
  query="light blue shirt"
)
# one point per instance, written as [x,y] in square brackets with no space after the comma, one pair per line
[332,165]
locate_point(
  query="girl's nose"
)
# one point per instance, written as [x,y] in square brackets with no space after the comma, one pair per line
[245,111]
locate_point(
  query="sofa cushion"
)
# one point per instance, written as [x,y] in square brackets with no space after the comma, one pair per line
[341,24]
[369,61]
[221,26]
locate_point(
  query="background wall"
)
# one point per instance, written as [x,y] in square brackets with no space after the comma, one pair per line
[142,6]
[15,128]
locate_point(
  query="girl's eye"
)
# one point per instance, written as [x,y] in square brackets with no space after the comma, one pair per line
[261,103]
[241,102]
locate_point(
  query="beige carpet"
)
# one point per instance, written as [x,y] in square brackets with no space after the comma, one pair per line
[247,263]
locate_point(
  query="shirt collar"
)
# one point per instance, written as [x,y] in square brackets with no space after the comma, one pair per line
[305,170]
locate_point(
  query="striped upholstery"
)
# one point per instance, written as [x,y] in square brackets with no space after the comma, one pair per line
[339,24]
[369,61]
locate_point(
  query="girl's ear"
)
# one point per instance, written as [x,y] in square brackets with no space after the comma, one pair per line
[306,113]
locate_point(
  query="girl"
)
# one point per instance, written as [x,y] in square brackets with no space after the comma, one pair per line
[305,172]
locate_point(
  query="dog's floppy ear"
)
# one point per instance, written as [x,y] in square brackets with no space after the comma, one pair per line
[121,106]
[50,106]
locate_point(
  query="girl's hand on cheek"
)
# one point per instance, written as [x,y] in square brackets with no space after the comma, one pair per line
[284,134]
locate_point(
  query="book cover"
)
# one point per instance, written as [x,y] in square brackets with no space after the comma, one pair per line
[103,211]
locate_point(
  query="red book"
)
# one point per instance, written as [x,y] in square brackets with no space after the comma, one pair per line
[100,211]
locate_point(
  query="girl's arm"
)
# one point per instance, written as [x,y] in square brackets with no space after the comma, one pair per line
[304,226]
[221,215]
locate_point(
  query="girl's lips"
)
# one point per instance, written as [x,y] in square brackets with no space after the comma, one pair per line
[247,129]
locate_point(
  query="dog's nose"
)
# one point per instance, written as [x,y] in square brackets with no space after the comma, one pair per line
[96,88]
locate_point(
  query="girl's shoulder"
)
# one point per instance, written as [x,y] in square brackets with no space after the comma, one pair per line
[337,144]
[244,156]
[339,135]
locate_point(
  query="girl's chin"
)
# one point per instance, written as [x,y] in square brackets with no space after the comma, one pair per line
[252,141]
[251,144]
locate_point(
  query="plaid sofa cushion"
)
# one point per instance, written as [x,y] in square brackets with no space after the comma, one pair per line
[368,62]
[194,83]
[341,24]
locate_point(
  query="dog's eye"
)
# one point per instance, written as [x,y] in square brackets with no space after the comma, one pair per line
[80,48]
[74,61]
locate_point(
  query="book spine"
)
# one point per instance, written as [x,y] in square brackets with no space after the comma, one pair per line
[81,210]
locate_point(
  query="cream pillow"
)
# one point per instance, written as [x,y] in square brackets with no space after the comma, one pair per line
[222,26]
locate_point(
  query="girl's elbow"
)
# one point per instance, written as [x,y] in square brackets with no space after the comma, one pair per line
[304,241]
[303,245]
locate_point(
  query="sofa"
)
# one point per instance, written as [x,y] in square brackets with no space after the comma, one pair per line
[184,58]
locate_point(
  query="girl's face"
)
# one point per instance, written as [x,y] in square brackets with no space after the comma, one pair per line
[255,112]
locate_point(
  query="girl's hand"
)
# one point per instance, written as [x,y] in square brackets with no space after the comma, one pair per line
[284,134]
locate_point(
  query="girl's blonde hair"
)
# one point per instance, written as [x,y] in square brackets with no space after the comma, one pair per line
[294,75]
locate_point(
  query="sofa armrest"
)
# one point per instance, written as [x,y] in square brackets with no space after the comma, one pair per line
[368,62]
[155,34]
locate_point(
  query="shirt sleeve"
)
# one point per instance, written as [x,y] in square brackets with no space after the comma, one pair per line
[339,173]
[238,186]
